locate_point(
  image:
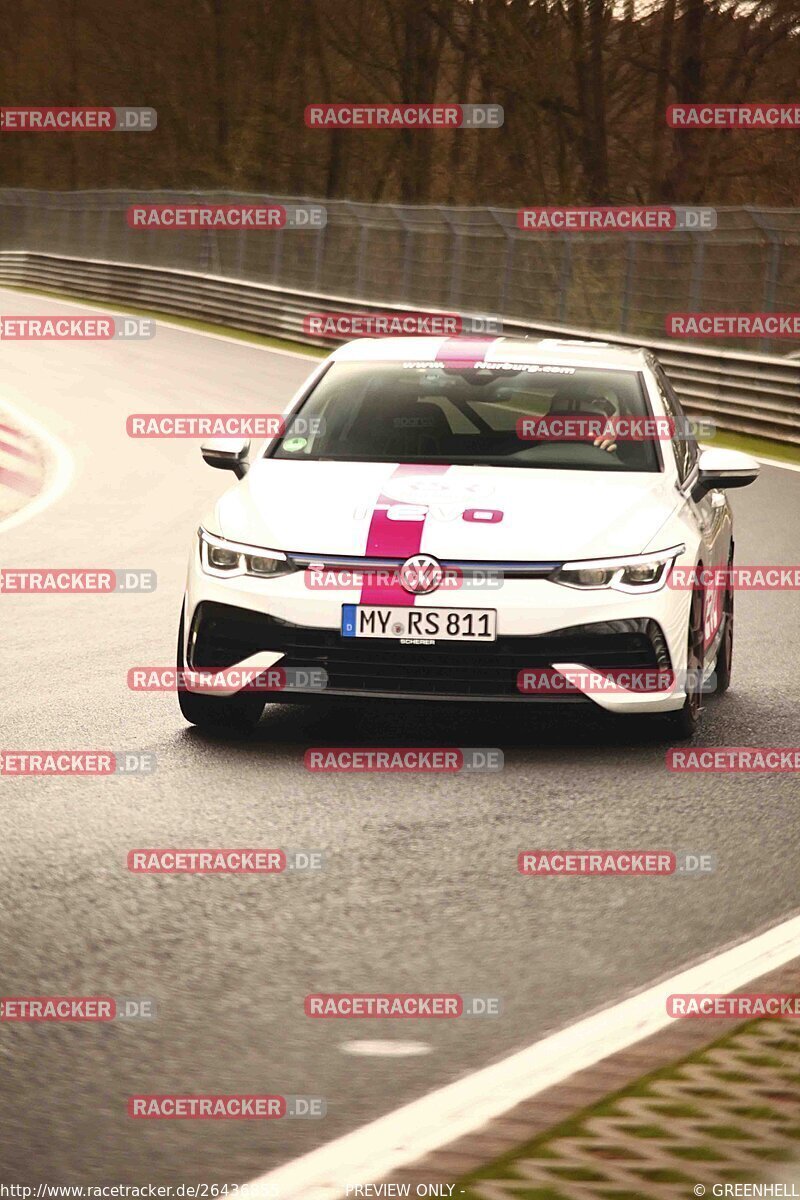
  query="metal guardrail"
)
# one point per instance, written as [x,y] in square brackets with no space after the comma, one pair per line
[745,393]
[445,257]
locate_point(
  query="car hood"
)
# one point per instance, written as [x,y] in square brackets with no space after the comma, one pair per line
[513,514]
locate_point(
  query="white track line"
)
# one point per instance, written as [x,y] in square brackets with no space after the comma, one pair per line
[773,462]
[401,1137]
[60,468]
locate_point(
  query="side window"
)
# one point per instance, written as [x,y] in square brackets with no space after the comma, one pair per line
[683,440]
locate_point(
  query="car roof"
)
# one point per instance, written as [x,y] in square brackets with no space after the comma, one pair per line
[553,351]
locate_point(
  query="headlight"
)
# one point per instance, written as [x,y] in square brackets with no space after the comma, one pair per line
[229,559]
[222,559]
[640,573]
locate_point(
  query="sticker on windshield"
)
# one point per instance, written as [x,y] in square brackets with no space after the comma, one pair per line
[294,443]
[531,368]
[517,368]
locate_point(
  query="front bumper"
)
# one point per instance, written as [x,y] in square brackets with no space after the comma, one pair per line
[223,635]
[539,624]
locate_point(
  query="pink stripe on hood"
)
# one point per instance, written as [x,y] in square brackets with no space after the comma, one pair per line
[395,539]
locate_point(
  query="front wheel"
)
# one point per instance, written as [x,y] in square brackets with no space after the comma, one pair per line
[684,722]
[241,712]
[722,669]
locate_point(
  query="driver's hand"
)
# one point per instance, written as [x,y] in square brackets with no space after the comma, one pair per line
[605,443]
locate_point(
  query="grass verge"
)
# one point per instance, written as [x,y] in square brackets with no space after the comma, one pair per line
[545,1145]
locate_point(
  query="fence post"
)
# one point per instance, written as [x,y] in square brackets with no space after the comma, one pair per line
[319,252]
[408,242]
[362,254]
[770,272]
[698,271]
[240,249]
[278,255]
[630,267]
[507,272]
[455,270]
[564,277]
[771,283]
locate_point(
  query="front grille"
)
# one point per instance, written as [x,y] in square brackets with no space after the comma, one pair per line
[223,635]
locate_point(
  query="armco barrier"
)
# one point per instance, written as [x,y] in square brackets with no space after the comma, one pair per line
[746,393]
[444,257]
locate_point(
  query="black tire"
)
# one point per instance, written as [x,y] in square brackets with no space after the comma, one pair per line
[722,670]
[241,713]
[684,722]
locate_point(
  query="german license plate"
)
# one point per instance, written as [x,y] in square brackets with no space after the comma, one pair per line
[419,624]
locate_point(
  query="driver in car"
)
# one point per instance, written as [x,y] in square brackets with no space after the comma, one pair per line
[603,407]
[589,402]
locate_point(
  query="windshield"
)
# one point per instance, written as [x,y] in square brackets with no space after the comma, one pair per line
[505,414]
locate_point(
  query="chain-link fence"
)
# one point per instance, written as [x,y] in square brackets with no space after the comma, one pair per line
[456,259]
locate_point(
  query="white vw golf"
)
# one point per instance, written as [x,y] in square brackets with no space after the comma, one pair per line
[463,519]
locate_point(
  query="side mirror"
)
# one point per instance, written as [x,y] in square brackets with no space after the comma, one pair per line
[227,454]
[724,469]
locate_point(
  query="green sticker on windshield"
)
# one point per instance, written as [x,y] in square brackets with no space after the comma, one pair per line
[294,443]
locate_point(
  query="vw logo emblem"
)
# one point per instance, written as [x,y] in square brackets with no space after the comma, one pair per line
[421,574]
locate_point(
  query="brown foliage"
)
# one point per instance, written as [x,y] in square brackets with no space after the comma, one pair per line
[584,84]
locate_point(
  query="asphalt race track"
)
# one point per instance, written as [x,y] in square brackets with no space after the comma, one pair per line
[420,891]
